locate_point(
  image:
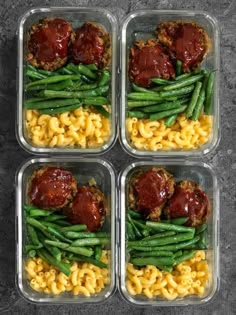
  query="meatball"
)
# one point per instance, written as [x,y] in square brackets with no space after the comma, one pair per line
[91,45]
[48,43]
[186,41]
[88,207]
[149,60]
[149,191]
[189,200]
[52,188]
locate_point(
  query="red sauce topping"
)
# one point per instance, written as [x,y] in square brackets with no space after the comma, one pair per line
[151,191]
[50,42]
[188,44]
[86,209]
[51,189]
[187,203]
[88,46]
[150,62]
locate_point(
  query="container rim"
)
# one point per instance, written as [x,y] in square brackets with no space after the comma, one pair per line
[19,85]
[18,222]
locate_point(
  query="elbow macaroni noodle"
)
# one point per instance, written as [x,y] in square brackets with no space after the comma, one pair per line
[85,278]
[154,135]
[80,128]
[188,278]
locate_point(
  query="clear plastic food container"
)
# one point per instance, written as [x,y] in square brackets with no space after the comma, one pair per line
[204,175]
[77,16]
[140,25]
[83,170]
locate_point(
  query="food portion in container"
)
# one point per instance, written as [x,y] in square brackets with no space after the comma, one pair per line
[67,245]
[67,98]
[169,104]
[166,231]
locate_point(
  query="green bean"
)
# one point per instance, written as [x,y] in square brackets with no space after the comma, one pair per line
[39,213]
[201,228]
[40,227]
[55,87]
[43,257]
[83,87]
[72,67]
[132,104]
[87,72]
[63,223]
[29,247]
[154,261]
[183,83]
[53,79]
[161,81]
[35,75]
[202,241]
[142,227]
[194,100]
[51,103]
[56,252]
[186,256]
[81,94]
[27,208]
[134,214]
[158,235]
[209,91]
[137,88]
[138,114]
[169,121]
[91,241]
[97,100]
[98,252]
[52,224]
[130,232]
[157,88]
[153,253]
[32,253]
[144,96]
[165,268]
[77,250]
[59,110]
[102,111]
[92,67]
[64,70]
[178,69]
[161,107]
[46,73]
[104,78]
[55,217]
[58,235]
[169,227]
[136,230]
[178,253]
[63,267]
[183,76]
[90,260]
[160,115]
[33,100]
[177,92]
[32,235]
[30,67]
[76,228]
[179,221]
[87,80]
[75,235]
[199,105]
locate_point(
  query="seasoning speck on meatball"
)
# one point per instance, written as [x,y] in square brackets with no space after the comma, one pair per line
[52,188]
[48,43]
[89,207]
[91,45]
[149,60]
[149,191]
[186,41]
[189,200]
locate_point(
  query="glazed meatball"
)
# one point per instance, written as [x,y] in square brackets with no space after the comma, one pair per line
[149,192]
[52,188]
[89,207]
[48,43]
[149,60]
[189,200]
[186,41]
[91,45]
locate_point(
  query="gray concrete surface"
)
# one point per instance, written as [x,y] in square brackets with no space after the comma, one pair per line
[223,159]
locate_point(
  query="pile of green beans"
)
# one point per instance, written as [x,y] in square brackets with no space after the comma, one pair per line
[57,242]
[70,87]
[163,244]
[188,93]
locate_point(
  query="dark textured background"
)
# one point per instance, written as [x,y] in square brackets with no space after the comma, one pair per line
[224,159]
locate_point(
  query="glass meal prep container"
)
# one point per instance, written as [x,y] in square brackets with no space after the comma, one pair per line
[76,16]
[83,170]
[204,175]
[140,25]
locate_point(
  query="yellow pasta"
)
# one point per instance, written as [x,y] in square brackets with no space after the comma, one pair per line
[185,134]
[85,279]
[189,277]
[80,127]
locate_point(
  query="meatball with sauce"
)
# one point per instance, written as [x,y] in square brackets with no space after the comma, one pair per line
[149,60]
[149,191]
[189,200]
[91,45]
[48,43]
[89,207]
[186,41]
[52,188]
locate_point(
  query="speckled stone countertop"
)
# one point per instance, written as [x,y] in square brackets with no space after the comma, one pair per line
[223,159]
